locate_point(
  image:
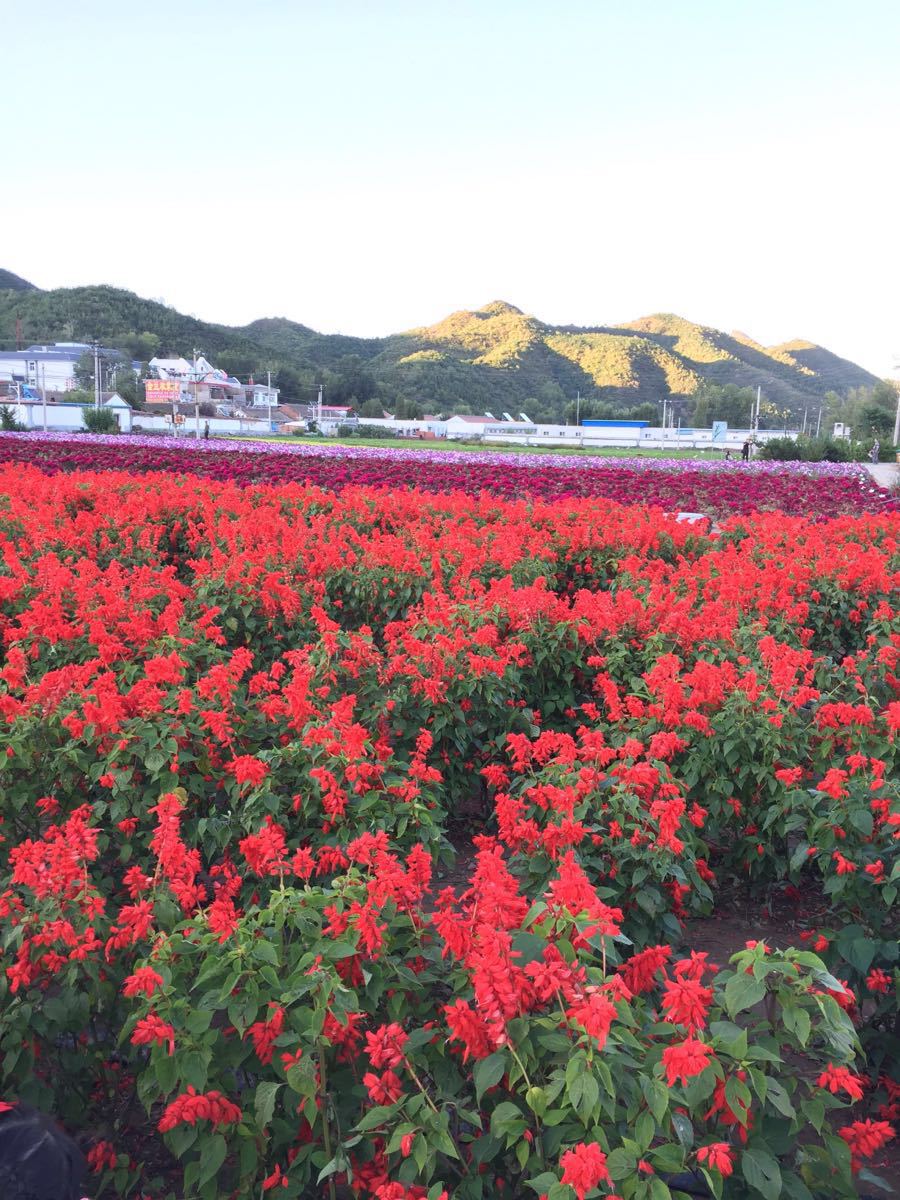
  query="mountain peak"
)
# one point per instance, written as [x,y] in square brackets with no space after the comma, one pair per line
[498,308]
[15,283]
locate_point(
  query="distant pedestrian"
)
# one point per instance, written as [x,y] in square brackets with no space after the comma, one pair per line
[875,451]
[745,451]
[728,456]
[206,430]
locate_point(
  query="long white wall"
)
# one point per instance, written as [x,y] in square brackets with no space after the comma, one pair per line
[152,423]
[63,418]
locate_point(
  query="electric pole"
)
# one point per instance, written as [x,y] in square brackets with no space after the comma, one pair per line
[97,382]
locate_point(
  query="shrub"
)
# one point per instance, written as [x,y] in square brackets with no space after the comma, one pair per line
[100,420]
[789,449]
[781,449]
[8,422]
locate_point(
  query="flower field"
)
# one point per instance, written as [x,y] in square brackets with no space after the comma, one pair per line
[714,487]
[251,724]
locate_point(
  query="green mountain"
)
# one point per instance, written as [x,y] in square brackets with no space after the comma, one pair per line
[15,283]
[496,357]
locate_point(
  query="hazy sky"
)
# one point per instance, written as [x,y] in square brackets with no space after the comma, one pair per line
[365,167]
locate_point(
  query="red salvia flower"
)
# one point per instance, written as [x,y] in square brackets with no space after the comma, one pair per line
[685,1060]
[193,1106]
[718,1156]
[144,981]
[584,1167]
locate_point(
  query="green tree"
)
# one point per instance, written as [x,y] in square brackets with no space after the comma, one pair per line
[711,402]
[352,382]
[371,408]
[871,420]
[407,410]
[129,385]
[100,420]
[8,422]
[293,386]
[139,346]
[84,372]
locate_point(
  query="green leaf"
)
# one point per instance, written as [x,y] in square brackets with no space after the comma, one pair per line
[713,1182]
[684,1130]
[658,1189]
[859,953]
[864,1175]
[762,1172]
[212,1155]
[165,1068]
[620,1164]
[779,1098]
[543,1182]
[488,1071]
[264,1103]
[742,992]
[193,1067]
[861,819]
[656,1094]
[793,1185]
[505,1115]
[440,1139]
[737,1095]
[644,1129]
[529,947]
[374,1117]
[265,952]
[797,1020]
[583,1093]
[560,1191]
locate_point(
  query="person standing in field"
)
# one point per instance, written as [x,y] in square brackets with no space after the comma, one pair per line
[745,450]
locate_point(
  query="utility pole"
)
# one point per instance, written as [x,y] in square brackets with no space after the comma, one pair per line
[578,409]
[269,396]
[44,393]
[97,381]
[194,353]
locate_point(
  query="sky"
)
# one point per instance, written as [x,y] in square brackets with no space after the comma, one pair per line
[369,167]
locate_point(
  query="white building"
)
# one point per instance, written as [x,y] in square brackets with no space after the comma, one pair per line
[199,382]
[51,366]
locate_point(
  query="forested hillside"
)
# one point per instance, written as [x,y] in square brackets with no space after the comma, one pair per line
[495,357]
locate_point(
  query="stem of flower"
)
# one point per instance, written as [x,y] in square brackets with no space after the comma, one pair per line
[537,1119]
[326,1131]
[436,1111]
[419,1085]
[521,1065]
